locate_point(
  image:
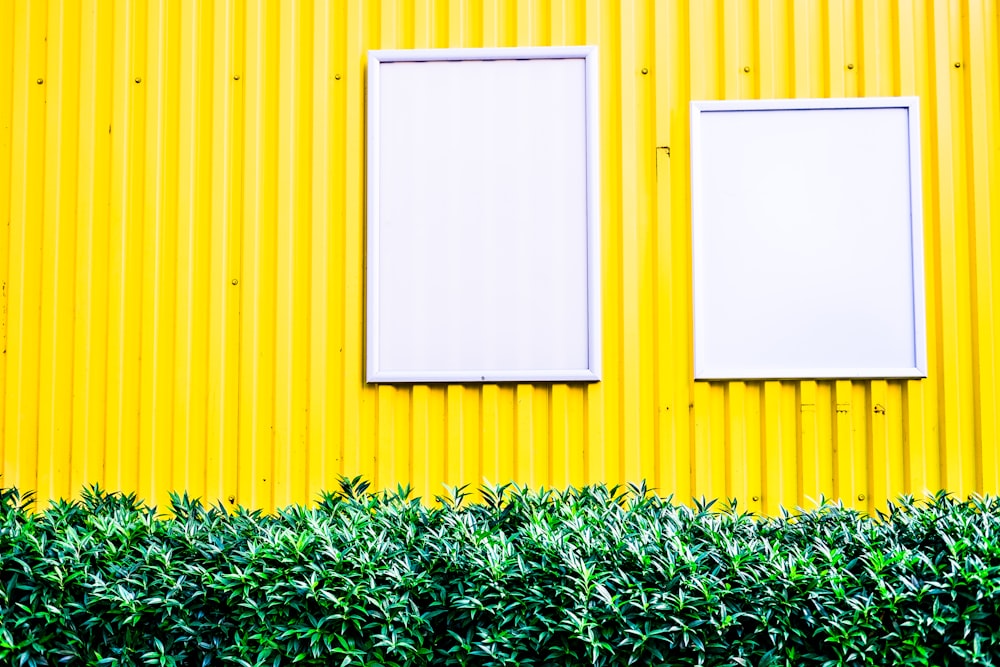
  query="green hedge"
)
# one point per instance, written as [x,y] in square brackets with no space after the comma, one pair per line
[596,576]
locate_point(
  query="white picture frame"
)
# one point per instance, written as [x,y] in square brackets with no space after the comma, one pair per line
[807,239]
[483,258]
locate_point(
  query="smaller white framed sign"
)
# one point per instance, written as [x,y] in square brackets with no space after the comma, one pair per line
[482,216]
[807,239]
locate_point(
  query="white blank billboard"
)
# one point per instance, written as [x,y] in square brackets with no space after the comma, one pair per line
[807,239]
[482,221]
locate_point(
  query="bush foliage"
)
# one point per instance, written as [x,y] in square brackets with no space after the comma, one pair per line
[595,576]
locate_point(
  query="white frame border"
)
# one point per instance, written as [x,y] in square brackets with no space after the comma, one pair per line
[703,369]
[592,372]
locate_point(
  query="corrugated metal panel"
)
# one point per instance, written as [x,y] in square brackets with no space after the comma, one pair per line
[181,268]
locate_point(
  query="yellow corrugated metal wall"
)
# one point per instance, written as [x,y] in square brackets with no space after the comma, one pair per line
[182,183]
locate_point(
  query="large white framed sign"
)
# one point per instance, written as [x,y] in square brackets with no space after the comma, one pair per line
[482,220]
[807,239]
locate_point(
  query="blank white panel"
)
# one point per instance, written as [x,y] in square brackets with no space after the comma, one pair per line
[481,246]
[806,231]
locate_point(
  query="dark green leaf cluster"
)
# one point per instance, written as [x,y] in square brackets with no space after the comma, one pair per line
[594,576]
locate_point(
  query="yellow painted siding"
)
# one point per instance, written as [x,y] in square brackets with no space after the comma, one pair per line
[182,183]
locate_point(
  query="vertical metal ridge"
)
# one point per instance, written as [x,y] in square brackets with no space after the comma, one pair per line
[293,233]
[981,138]
[27,176]
[8,90]
[955,395]
[57,252]
[196,229]
[612,247]
[225,273]
[183,469]
[676,68]
[216,209]
[628,219]
[985,91]
[258,300]
[319,442]
[333,444]
[355,395]
[120,456]
[89,339]
[647,400]
[157,77]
